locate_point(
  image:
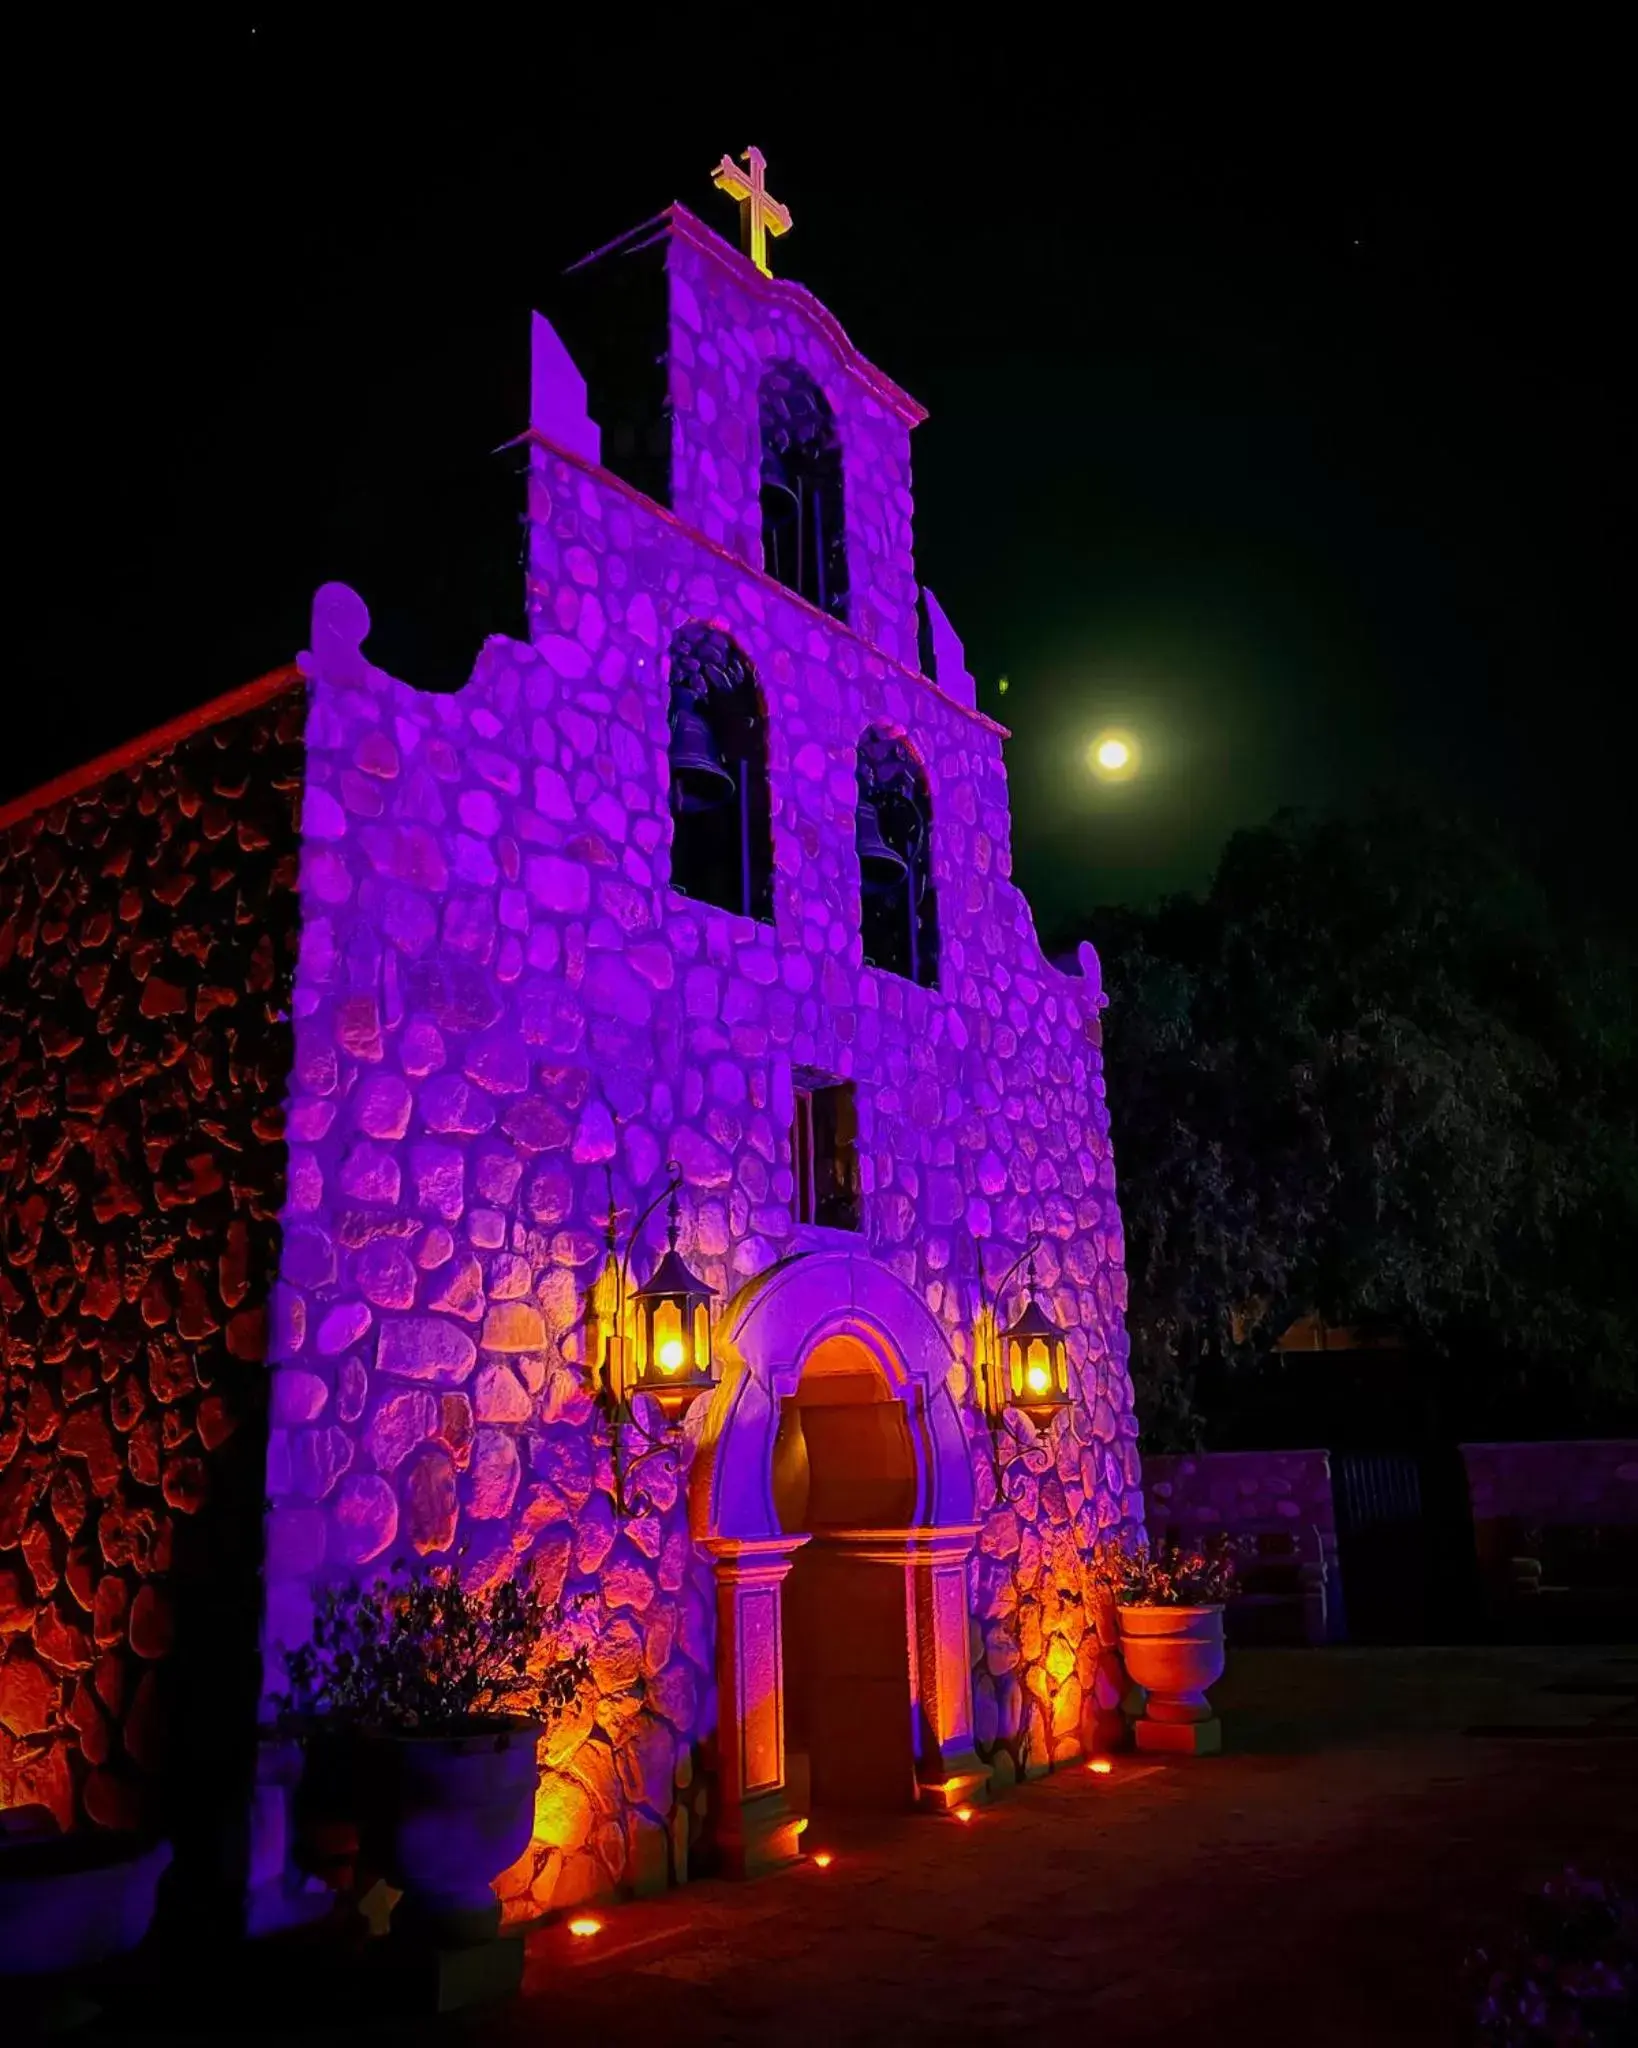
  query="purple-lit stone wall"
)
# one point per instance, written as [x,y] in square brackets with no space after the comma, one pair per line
[1240,1493]
[499,1000]
[1571,1485]
[1257,1497]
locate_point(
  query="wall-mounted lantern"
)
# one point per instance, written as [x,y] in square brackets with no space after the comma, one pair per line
[1025,1365]
[656,1340]
[1035,1354]
[671,1334]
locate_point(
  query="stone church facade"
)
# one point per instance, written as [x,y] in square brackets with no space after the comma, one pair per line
[503,956]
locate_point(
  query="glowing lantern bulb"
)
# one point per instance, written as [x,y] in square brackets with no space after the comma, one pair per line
[1113,753]
[1038,1379]
[672,1355]
[584,1928]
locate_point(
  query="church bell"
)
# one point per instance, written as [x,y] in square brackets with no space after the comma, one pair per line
[881,867]
[702,781]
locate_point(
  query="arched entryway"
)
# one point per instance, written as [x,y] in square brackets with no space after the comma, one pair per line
[844,1476]
[833,1446]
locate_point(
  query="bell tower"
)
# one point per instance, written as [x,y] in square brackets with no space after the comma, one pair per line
[735,400]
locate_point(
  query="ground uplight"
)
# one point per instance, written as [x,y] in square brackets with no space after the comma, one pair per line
[822,1859]
[964,1813]
[1100,1767]
[585,1927]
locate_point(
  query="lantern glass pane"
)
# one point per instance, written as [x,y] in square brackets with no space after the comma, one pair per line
[670,1352]
[702,1338]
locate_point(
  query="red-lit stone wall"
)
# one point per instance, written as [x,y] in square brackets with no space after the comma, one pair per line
[147,931]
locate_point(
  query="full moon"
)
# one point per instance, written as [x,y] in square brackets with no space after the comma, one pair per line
[1113,756]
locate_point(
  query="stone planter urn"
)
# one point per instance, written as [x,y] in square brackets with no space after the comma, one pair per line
[69,1906]
[441,1817]
[1176,1655]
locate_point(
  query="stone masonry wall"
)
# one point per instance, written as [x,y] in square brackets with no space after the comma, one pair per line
[146,944]
[500,1003]
[1239,1492]
[1251,1495]
[1574,1485]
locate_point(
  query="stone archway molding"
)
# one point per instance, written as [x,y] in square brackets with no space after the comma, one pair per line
[770,1329]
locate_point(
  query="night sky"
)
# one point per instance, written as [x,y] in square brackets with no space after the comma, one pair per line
[1280,413]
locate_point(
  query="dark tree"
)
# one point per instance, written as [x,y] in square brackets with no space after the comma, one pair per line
[1374,1074]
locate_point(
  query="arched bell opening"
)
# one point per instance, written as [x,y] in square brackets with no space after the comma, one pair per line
[804,537]
[721,844]
[898,911]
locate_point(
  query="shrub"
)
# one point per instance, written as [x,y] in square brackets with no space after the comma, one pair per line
[420,1652]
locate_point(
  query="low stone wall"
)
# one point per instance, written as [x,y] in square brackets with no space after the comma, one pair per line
[1250,1495]
[1241,1492]
[1572,1485]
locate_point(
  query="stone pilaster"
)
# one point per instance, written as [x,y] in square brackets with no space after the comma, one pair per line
[756,1830]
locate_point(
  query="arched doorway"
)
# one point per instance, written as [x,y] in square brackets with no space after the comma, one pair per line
[845,1477]
[833,1445]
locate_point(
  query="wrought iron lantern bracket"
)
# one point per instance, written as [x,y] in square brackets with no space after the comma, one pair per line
[673,1295]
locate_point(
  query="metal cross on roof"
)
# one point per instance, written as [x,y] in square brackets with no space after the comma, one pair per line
[760,215]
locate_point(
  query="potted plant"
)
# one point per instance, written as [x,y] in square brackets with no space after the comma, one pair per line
[442,1694]
[1170,1607]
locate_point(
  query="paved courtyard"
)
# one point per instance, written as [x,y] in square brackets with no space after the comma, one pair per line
[1321,1882]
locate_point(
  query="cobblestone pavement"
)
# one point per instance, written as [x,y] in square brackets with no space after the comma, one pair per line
[1320,1882]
